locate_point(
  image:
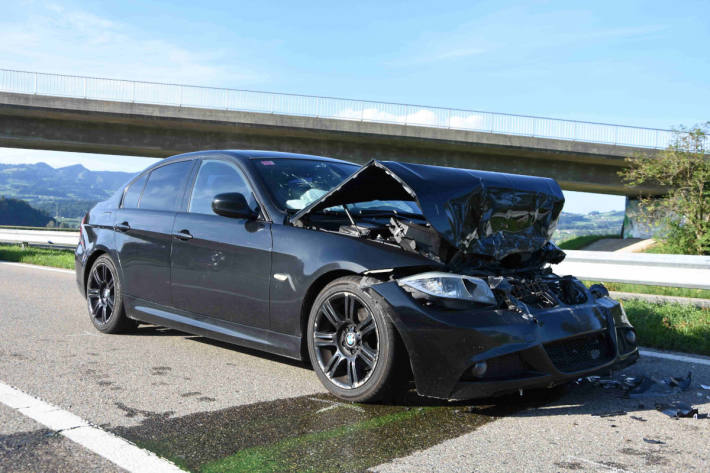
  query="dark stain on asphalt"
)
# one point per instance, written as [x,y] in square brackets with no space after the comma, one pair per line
[132,412]
[652,457]
[311,433]
[190,394]
[160,370]
[105,383]
[569,465]
[206,399]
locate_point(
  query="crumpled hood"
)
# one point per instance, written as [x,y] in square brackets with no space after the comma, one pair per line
[484,213]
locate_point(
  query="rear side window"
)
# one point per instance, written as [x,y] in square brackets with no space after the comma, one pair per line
[165,187]
[133,193]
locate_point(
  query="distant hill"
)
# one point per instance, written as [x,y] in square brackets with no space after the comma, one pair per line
[69,191]
[594,223]
[18,212]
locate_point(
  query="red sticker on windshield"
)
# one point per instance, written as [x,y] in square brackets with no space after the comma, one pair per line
[268,163]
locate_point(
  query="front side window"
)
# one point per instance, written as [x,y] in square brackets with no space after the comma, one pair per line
[218,177]
[133,193]
[165,186]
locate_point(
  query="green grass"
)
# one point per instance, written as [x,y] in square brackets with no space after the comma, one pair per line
[579,242]
[655,290]
[677,327]
[662,248]
[40,256]
[286,455]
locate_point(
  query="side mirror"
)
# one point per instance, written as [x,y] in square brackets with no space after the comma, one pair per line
[232,204]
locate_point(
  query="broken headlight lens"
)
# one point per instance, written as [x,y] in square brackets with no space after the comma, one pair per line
[440,285]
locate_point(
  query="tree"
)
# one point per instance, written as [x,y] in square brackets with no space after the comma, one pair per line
[684,170]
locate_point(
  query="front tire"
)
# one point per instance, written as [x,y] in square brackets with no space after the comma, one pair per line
[354,348]
[105,299]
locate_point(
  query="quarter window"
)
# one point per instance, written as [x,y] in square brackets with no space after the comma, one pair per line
[165,186]
[133,193]
[218,177]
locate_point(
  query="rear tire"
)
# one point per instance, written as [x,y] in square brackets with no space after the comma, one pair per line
[354,348]
[105,299]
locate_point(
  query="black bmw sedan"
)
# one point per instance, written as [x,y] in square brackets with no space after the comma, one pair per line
[376,274]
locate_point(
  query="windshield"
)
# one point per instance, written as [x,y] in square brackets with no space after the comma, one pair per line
[295,183]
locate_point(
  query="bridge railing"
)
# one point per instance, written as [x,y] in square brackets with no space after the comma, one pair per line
[329,107]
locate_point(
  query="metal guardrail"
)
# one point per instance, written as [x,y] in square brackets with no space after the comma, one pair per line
[40,238]
[328,107]
[634,268]
[638,268]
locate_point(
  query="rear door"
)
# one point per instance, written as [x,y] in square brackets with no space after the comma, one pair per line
[221,266]
[143,229]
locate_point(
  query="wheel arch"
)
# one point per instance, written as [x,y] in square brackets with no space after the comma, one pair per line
[315,289]
[90,262]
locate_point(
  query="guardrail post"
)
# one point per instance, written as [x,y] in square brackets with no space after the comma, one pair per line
[133,93]
[180,104]
[35,83]
[84,87]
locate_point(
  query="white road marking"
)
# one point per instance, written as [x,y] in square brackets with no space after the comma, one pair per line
[335,405]
[600,465]
[109,446]
[675,357]
[36,266]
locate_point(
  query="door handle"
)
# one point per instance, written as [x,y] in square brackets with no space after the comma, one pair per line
[183,235]
[122,227]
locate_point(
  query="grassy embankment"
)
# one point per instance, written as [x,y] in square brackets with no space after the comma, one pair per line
[577,243]
[40,256]
[671,326]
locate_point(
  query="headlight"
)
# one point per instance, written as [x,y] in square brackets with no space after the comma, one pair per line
[447,286]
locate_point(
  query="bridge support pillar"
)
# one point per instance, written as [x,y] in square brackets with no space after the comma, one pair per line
[635,226]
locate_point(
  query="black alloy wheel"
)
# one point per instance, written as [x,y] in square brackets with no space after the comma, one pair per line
[353,346]
[104,298]
[346,340]
[100,293]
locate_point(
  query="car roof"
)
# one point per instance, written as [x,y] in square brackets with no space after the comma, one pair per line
[257,154]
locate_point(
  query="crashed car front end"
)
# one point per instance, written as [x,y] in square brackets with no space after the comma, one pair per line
[478,352]
[491,317]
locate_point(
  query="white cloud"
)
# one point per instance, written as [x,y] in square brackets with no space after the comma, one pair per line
[422,117]
[36,36]
[52,38]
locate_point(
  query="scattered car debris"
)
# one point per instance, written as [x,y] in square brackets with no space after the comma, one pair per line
[633,387]
[654,441]
[611,414]
[677,409]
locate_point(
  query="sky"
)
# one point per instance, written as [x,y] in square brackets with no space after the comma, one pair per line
[640,63]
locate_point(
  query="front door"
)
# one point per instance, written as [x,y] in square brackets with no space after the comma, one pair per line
[221,266]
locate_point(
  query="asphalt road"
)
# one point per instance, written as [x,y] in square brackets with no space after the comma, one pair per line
[212,407]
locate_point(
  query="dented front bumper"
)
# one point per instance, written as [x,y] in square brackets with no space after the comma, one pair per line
[553,346]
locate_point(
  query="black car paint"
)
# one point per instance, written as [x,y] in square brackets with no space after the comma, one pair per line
[199,286]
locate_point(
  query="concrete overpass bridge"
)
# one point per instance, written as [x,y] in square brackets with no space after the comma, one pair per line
[72,113]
